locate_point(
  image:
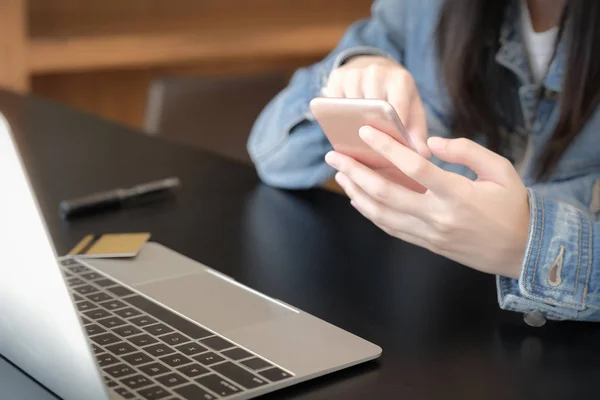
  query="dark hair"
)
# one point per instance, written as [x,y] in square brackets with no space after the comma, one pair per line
[467,40]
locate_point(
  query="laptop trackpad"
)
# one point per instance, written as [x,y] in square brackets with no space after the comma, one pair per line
[214,302]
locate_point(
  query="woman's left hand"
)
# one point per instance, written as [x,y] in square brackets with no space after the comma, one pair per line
[483,224]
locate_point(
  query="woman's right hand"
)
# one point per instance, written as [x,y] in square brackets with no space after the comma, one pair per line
[376,77]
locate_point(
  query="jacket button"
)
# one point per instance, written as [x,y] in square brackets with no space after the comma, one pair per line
[534,318]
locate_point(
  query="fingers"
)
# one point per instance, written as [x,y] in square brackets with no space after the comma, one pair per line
[404,97]
[374,75]
[485,163]
[380,214]
[401,95]
[334,86]
[377,187]
[352,84]
[417,128]
[412,164]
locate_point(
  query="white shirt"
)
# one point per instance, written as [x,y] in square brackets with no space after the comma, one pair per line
[539,45]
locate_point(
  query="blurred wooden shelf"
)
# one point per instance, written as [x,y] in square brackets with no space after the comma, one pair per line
[139,50]
[62,48]
[113,34]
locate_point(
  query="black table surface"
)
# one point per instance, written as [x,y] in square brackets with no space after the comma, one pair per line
[442,333]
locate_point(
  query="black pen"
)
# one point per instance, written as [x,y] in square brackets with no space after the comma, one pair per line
[115,198]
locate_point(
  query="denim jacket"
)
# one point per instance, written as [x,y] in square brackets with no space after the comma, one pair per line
[560,275]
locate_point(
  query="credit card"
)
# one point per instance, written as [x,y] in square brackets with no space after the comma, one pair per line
[110,245]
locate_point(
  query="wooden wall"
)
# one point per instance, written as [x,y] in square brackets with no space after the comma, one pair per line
[100,55]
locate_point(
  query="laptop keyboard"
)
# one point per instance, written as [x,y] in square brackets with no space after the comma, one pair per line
[148,352]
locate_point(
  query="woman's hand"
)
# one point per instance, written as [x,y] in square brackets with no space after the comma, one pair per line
[376,77]
[483,224]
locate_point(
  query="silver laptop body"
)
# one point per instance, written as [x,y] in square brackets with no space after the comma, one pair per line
[157,326]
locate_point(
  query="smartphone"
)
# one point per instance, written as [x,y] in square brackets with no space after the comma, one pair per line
[341,120]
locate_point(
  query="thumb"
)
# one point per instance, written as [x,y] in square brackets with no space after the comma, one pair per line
[417,129]
[488,165]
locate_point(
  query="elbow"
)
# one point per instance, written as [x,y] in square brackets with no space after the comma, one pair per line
[290,162]
[282,174]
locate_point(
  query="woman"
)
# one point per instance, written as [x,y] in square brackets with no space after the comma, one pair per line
[501,99]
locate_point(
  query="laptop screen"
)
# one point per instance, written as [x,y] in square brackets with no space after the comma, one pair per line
[39,329]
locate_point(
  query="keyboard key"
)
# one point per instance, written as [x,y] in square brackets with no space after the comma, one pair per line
[189,349]
[96,349]
[179,323]
[105,282]
[85,306]
[94,329]
[85,320]
[275,374]
[104,360]
[142,340]
[107,338]
[120,348]
[137,358]
[158,329]
[193,392]
[154,392]
[220,386]
[119,371]
[127,330]
[174,339]
[127,312]
[236,354]
[74,281]
[97,314]
[143,321]
[158,350]
[154,369]
[111,322]
[239,375]
[109,382]
[256,363]
[171,380]
[193,370]
[87,289]
[98,297]
[175,360]
[90,276]
[113,304]
[77,297]
[78,269]
[217,343]
[126,394]
[208,358]
[136,382]
[120,291]
[68,261]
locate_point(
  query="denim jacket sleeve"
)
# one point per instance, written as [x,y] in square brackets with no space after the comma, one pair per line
[286,144]
[560,275]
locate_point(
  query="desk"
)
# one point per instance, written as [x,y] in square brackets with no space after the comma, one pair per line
[442,333]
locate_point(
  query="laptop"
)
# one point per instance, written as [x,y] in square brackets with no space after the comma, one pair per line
[157,326]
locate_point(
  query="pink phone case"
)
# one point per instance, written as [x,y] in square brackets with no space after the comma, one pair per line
[341,120]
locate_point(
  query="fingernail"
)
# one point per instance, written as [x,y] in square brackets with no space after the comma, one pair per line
[437,142]
[339,178]
[366,133]
[332,159]
[352,203]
